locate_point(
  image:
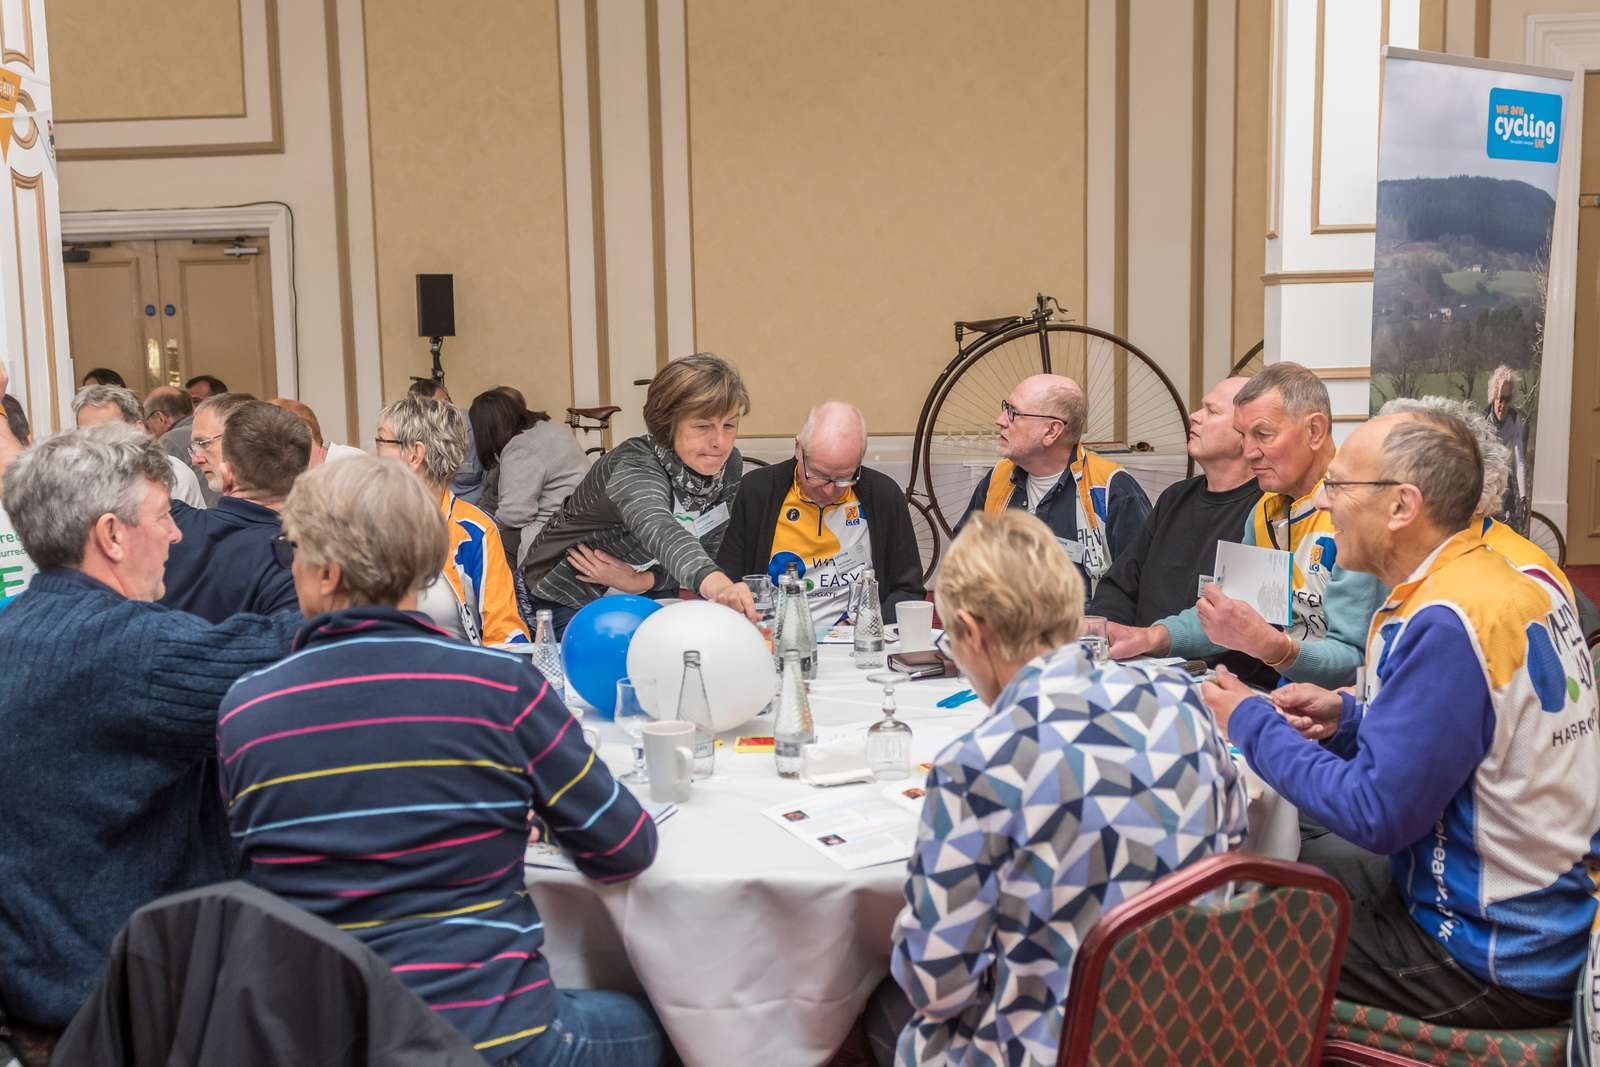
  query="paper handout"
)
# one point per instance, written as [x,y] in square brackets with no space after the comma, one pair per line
[1261,577]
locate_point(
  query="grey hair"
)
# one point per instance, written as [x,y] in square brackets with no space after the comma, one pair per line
[1493,451]
[374,519]
[57,490]
[94,396]
[436,426]
[1499,377]
[1301,390]
[1065,398]
[1438,455]
[809,427]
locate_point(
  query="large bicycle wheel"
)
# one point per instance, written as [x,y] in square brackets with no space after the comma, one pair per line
[1251,363]
[929,539]
[1136,417]
[1543,532]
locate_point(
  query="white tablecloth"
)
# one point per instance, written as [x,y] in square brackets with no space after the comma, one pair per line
[753,948]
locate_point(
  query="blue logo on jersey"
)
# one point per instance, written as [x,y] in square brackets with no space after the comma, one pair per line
[780,563]
[1524,125]
[1545,669]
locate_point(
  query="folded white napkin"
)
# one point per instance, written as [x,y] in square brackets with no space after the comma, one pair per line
[837,762]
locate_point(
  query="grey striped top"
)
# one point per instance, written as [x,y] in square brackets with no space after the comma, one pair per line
[624,507]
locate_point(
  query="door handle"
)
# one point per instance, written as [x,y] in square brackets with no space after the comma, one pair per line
[174,375]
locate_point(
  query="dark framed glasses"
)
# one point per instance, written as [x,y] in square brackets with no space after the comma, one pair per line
[823,479]
[283,550]
[1012,414]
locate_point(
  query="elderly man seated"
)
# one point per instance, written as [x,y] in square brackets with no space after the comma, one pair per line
[1286,421]
[828,513]
[1158,574]
[169,415]
[225,564]
[1094,507]
[999,897]
[1468,759]
[108,705]
[96,405]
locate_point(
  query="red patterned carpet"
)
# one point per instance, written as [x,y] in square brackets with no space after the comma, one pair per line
[1586,579]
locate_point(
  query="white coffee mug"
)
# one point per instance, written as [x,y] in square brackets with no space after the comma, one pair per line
[916,625]
[669,759]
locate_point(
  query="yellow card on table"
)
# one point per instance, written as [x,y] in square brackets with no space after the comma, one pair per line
[754,744]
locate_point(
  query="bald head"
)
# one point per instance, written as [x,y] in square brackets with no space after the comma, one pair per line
[1058,395]
[829,447]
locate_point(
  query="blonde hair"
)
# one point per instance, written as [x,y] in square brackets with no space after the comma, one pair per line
[701,385]
[437,426]
[375,519]
[1010,572]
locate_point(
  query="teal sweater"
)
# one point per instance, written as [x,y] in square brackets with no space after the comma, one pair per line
[1328,659]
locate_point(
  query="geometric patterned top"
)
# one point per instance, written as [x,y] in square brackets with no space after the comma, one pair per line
[1080,789]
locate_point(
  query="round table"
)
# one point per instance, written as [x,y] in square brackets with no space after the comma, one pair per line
[752,947]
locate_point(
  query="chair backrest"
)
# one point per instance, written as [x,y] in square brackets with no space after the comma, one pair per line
[1173,976]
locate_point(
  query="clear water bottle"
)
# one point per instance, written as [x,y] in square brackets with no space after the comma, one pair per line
[868,623]
[794,729]
[797,634]
[695,707]
[547,653]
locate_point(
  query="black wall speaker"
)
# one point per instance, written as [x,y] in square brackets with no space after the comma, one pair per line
[436,305]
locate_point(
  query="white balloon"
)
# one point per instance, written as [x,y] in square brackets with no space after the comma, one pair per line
[734,660]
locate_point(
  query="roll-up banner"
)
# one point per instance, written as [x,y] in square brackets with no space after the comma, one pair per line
[1467,165]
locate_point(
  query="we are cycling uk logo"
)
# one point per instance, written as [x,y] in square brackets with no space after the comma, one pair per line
[1524,125]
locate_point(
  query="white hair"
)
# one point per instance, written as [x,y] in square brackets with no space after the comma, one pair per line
[94,396]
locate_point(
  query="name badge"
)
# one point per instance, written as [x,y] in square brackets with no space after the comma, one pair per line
[711,520]
[1073,549]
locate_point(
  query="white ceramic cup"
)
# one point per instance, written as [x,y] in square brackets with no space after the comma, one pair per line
[669,760]
[916,625]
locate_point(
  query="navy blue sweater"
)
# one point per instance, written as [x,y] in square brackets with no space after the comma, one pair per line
[224,564]
[109,796]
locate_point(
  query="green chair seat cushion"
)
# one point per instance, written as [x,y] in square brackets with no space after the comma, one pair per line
[1447,1046]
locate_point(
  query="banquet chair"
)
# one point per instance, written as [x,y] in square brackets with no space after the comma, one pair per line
[1365,1036]
[1184,974]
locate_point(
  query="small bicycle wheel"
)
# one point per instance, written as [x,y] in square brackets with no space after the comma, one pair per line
[1136,417]
[1543,532]
[928,537]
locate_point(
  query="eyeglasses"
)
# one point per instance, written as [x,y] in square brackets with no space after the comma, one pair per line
[821,479]
[200,444]
[283,550]
[1335,487]
[941,644]
[1012,414]
[388,441]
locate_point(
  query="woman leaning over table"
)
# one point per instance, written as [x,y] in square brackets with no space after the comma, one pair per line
[649,516]
[996,888]
[476,596]
[376,712]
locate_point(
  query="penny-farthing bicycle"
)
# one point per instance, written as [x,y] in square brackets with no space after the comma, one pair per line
[1136,416]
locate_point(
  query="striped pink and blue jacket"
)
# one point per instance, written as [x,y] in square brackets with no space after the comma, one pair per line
[384,776]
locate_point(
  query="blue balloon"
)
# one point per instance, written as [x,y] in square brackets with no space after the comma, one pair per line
[595,648]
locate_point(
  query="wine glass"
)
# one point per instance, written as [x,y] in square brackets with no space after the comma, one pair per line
[1095,637]
[889,740]
[631,716]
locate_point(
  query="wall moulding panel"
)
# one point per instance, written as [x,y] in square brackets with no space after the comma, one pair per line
[259,130]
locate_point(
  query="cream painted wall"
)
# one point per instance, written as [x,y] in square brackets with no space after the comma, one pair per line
[1508,22]
[474,189]
[856,192]
[87,86]
[301,176]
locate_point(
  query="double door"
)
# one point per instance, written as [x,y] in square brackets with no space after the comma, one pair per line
[161,312]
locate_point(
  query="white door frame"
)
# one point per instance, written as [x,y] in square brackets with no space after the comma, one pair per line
[273,220]
[1569,42]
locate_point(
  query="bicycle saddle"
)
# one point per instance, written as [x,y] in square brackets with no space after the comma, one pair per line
[990,325]
[597,414]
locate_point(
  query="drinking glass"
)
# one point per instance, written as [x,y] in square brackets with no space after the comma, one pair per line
[1095,637]
[761,590]
[631,717]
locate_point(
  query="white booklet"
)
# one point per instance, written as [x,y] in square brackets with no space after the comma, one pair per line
[1261,577]
[551,855]
[862,827]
